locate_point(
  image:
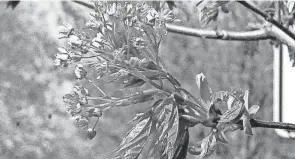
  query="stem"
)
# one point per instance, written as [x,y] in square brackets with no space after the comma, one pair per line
[95,123]
[102,99]
[89,57]
[255,123]
[96,86]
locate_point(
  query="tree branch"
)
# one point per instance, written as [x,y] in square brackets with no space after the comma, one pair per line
[268,32]
[255,123]
[86,4]
[261,34]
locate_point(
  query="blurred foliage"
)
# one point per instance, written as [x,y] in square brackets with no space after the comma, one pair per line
[32,119]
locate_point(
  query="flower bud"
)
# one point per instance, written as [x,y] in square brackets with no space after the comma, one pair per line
[59,62]
[94,112]
[74,41]
[151,16]
[83,101]
[80,72]
[71,99]
[62,56]
[76,57]
[62,50]
[81,91]
[82,121]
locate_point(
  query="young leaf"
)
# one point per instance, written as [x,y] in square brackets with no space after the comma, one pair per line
[197,115]
[214,112]
[203,87]
[230,101]
[234,113]
[208,145]
[210,11]
[253,109]
[219,96]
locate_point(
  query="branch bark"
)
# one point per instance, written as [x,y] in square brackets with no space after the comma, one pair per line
[261,34]
[268,32]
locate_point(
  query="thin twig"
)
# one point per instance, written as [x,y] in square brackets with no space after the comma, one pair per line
[86,4]
[258,11]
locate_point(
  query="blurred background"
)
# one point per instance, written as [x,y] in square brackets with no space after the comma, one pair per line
[33,122]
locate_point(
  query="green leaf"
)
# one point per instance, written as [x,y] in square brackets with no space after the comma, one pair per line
[167,128]
[131,145]
[172,133]
[141,116]
[137,131]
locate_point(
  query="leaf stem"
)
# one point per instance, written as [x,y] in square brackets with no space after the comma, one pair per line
[96,86]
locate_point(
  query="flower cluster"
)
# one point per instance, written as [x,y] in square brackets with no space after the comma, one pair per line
[118,43]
